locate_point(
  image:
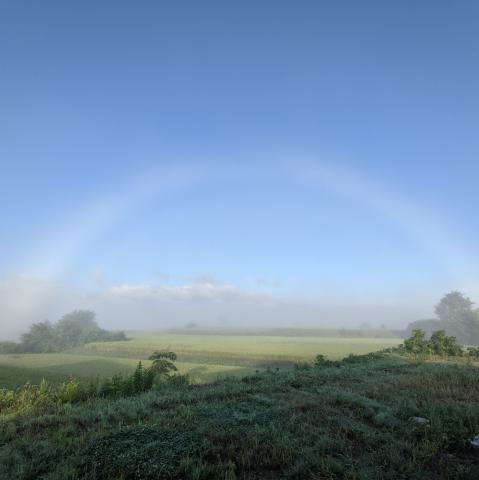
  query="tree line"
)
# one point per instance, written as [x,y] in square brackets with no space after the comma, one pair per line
[456,315]
[72,330]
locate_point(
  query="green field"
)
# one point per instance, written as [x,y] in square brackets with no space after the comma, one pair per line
[351,419]
[242,350]
[16,370]
[204,357]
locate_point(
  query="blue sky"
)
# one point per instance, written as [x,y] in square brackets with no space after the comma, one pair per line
[296,151]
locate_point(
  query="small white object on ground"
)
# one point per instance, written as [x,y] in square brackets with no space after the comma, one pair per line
[420,420]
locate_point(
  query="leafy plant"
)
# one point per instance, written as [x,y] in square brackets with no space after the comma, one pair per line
[162,363]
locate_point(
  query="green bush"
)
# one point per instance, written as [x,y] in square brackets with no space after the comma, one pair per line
[439,344]
[322,361]
[473,352]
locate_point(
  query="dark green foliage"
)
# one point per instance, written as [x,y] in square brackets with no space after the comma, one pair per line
[439,344]
[367,357]
[473,352]
[416,343]
[322,361]
[162,362]
[72,330]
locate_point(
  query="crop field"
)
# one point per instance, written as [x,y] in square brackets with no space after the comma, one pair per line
[204,357]
[240,350]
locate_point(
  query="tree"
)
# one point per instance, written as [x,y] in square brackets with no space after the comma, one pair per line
[76,328]
[472,328]
[10,347]
[40,338]
[453,308]
[162,363]
[456,316]
[429,326]
[73,329]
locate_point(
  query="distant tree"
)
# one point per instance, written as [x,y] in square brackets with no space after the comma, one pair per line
[77,328]
[365,326]
[73,329]
[456,316]
[453,307]
[40,338]
[472,328]
[429,326]
[10,347]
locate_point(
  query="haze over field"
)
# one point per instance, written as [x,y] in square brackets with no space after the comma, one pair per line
[256,165]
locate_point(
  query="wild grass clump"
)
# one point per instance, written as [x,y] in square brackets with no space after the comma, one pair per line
[48,395]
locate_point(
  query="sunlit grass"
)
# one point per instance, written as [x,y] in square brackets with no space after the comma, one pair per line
[245,350]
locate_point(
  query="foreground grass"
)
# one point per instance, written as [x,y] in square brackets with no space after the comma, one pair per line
[352,421]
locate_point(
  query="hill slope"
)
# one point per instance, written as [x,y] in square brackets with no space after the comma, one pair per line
[352,421]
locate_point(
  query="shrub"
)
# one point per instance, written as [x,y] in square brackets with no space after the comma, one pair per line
[473,352]
[322,361]
[417,342]
[439,344]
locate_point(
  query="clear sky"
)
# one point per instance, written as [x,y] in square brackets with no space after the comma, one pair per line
[218,160]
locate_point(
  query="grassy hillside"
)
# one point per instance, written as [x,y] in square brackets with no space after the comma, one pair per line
[16,370]
[353,421]
[203,357]
[242,350]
